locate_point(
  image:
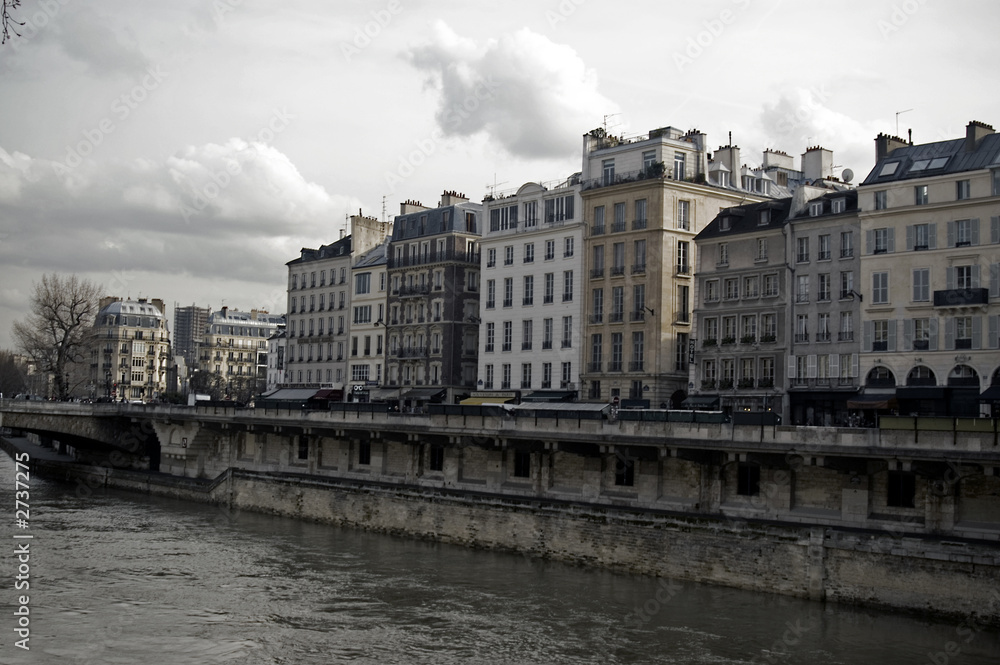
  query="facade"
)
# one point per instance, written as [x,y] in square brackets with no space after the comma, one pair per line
[319,308]
[532,301]
[188,330]
[369,288]
[930,275]
[644,201]
[432,329]
[277,347]
[234,351]
[130,355]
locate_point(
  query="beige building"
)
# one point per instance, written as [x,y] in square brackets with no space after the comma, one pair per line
[234,351]
[130,355]
[644,201]
[930,275]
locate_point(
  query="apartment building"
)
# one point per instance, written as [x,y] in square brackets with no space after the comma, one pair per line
[234,350]
[130,352]
[532,300]
[366,355]
[930,275]
[432,329]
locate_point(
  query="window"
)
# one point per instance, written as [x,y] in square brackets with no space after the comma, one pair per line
[880,288]
[546,333]
[880,335]
[723,254]
[846,244]
[824,248]
[711,329]
[732,289]
[749,329]
[527,334]
[816,209]
[359,372]
[568,247]
[920,195]
[490,336]
[711,290]
[683,305]
[501,218]
[750,287]
[362,283]
[528,297]
[963,233]
[567,286]
[616,352]
[364,453]
[802,328]
[681,353]
[491,293]
[639,257]
[838,206]
[598,227]
[617,304]
[522,464]
[763,217]
[597,309]
[624,470]
[882,241]
[679,170]
[901,489]
[747,479]
[761,250]
[567,332]
[728,329]
[559,209]
[508,336]
[529,252]
[802,250]
[638,351]
[921,334]
[619,224]
[526,376]
[608,170]
[846,284]
[881,198]
[770,285]
[436,461]
[648,159]
[546,375]
[640,215]
[921,284]
[596,352]
[684,215]
[508,255]
[768,327]
[597,265]
[963,332]
[802,289]
[550,250]
[846,333]
[683,254]
[921,237]
[550,287]
[963,277]
[505,376]
[508,292]
[638,302]
[962,190]
[823,292]
[363,314]
[823,327]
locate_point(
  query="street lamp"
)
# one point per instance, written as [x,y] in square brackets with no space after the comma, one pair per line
[107,383]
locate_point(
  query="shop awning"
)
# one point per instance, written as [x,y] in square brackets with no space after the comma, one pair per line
[704,402]
[550,396]
[423,394]
[290,394]
[472,401]
[921,392]
[874,401]
[990,394]
[382,394]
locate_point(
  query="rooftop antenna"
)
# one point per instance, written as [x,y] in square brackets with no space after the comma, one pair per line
[384,197]
[899,113]
[606,116]
[493,187]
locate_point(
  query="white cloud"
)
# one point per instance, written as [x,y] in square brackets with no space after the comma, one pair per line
[529,94]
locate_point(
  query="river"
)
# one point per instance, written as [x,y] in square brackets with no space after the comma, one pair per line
[120,578]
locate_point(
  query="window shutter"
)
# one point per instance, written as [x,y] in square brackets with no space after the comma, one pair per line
[995,280]
[834,365]
[909,238]
[994,230]
[869,241]
[866,336]
[891,232]
[932,235]
[993,332]
[975,276]
[854,365]
[932,344]
[949,279]
[949,333]
[977,332]
[791,367]
[811,366]
[907,334]
[891,345]
[951,234]
[975,231]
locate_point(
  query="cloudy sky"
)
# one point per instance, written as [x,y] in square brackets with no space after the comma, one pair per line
[186,150]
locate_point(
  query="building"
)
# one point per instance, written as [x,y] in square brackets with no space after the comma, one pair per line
[277,347]
[319,308]
[188,329]
[644,200]
[369,291]
[130,355]
[433,302]
[532,309]
[930,275]
[233,352]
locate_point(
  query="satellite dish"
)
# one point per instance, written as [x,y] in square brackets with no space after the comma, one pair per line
[847,175]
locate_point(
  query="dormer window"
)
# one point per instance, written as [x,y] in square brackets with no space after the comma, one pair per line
[725,223]
[889,169]
[838,206]
[763,217]
[723,179]
[816,209]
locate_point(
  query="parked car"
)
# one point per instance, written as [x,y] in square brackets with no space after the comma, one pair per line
[30,398]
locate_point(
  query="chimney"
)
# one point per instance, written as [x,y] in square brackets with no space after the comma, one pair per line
[730,156]
[225,310]
[885,144]
[778,158]
[449,198]
[409,205]
[974,131]
[817,163]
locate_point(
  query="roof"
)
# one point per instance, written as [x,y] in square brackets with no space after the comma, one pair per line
[341,247]
[408,227]
[851,204]
[745,219]
[939,158]
[377,256]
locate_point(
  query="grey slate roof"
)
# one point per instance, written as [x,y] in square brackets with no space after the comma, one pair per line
[743,219]
[985,154]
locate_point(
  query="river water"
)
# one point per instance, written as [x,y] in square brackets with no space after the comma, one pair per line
[121,578]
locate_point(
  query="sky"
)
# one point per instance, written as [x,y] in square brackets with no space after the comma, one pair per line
[187,150]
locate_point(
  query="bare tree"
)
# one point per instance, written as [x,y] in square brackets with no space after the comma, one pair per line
[56,332]
[10,24]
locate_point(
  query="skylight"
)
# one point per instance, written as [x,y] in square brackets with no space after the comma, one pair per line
[919,165]
[889,168]
[938,162]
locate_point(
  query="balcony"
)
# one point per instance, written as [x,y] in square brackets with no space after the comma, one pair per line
[638,224]
[491,304]
[506,347]
[765,383]
[417,290]
[636,366]
[527,301]
[710,341]
[595,367]
[597,318]
[748,339]
[526,346]
[615,366]
[596,273]
[745,383]
[708,384]
[637,316]
[801,338]
[847,252]
[726,384]
[618,227]
[597,230]
[683,269]
[617,271]
[411,352]
[728,340]
[638,268]
[508,302]
[547,345]
[961,297]
[547,300]
[845,336]
[823,337]
[801,297]
[921,345]
[616,317]
[488,348]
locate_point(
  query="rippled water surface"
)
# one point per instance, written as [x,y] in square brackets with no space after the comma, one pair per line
[125,578]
